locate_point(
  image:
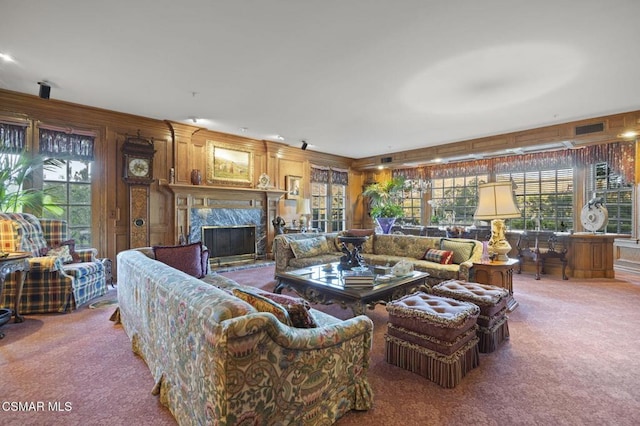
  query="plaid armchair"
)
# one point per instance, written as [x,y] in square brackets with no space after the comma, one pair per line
[51,284]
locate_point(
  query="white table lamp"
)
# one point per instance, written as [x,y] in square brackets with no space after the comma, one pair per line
[303,208]
[495,203]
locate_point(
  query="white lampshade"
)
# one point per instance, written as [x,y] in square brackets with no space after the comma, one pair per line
[303,206]
[495,201]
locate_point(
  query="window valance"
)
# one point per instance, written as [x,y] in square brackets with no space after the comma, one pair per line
[321,174]
[620,156]
[66,145]
[12,137]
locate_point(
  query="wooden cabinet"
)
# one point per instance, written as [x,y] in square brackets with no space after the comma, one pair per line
[591,255]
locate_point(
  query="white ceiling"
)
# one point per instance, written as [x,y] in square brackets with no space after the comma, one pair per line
[351,77]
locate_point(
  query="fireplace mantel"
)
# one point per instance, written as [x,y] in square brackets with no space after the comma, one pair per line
[207,189]
[192,198]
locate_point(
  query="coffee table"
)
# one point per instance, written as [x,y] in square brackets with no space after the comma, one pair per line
[318,285]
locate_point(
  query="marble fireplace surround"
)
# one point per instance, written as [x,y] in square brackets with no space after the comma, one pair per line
[202,205]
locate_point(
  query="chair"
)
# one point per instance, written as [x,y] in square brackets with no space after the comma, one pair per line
[55,283]
[529,245]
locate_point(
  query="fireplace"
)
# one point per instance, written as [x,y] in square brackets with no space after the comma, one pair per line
[229,244]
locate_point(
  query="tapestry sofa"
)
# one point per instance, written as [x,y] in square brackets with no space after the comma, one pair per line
[295,251]
[217,359]
[60,277]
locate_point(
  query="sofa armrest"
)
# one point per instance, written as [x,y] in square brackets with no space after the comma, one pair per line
[282,252]
[303,338]
[87,254]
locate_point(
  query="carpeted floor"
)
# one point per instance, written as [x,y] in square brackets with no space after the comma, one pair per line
[573,359]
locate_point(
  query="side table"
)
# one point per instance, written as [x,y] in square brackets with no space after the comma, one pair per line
[499,274]
[14,262]
[108,272]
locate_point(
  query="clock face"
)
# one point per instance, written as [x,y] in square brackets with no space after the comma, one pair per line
[139,167]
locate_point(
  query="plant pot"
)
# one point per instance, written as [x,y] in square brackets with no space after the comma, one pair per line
[386,223]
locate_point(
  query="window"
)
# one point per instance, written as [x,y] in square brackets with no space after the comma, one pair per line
[69,184]
[68,180]
[454,200]
[618,198]
[545,198]
[319,209]
[412,202]
[328,199]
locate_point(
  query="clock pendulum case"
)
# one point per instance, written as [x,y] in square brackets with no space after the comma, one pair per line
[137,172]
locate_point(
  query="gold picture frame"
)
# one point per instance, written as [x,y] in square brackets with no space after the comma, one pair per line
[293,185]
[227,164]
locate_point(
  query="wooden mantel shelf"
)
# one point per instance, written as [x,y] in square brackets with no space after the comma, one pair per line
[182,188]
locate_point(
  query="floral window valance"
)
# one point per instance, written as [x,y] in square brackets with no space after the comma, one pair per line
[12,137]
[61,144]
[620,156]
[339,177]
[319,174]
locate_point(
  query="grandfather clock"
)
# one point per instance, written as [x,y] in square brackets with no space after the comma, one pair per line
[137,172]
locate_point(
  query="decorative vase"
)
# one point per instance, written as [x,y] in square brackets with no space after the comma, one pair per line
[386,223]
[196,177]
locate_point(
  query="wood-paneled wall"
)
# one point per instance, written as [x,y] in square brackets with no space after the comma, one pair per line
[178,145]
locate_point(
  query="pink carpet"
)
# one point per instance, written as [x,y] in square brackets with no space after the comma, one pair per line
[573,359]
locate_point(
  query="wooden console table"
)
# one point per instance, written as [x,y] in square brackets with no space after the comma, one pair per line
[499,274]
[14,262]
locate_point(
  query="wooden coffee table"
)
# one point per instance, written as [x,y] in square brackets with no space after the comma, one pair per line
[326,287]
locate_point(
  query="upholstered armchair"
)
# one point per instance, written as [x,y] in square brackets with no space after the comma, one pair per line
[60,278]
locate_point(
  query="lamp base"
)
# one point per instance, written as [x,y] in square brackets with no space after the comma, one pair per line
[303,223]
[498,243]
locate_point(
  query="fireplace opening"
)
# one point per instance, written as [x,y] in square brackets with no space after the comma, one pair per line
[229,244]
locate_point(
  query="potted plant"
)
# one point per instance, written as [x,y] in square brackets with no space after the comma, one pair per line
[386,201]
[15,174]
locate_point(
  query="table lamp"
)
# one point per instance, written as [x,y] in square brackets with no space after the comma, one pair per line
[496,203]
[303,208]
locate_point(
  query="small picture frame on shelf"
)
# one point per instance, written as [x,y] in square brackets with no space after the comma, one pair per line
[293,185]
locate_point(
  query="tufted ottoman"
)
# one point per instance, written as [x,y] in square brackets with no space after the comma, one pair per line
[493,327]
[433,336]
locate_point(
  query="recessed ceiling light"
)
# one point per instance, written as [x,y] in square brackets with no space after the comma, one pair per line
[278,137]
[244,129]
[6,57]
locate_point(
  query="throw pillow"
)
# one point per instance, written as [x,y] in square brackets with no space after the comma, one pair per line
[443,257]
[62,252]
[263,304]
[462,250]
[297,308]
[66,250]
[309,247]
[185,258]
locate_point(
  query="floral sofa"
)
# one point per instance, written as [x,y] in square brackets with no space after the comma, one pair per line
[217,359]
[295,251]
[60,277]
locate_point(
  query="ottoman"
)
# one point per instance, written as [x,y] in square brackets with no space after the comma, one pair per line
[493,327]
[433,336]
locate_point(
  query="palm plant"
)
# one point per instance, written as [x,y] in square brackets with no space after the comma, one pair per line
[16,172]
[386,198]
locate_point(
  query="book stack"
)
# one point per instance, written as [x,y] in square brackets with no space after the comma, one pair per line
[358,278]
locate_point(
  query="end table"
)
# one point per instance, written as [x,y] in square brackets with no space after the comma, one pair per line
[14,262]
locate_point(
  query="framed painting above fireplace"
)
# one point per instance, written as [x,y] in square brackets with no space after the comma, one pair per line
[228,164]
